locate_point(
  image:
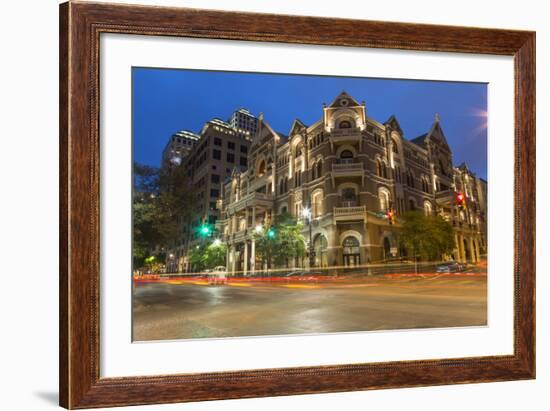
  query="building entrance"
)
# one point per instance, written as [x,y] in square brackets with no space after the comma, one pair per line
[351,254]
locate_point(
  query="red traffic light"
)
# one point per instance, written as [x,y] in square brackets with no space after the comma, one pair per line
[460,197]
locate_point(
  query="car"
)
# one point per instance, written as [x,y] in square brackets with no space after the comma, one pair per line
[450,267]
[218,275]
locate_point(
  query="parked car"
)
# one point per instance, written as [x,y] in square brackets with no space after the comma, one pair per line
[450,267]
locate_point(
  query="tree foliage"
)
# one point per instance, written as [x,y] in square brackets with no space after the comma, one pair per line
[286,243]
[207,256]
[427,236]
[161,204]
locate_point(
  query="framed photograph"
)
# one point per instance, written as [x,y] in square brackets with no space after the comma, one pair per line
[259,205]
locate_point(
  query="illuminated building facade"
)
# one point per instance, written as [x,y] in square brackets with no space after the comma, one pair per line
[351,172]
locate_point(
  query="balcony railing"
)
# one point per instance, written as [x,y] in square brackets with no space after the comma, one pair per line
[249,200]
[347,168]
[345,132]
[350,213]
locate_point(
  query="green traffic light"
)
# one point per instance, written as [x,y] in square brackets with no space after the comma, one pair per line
[271,233]
[205,230]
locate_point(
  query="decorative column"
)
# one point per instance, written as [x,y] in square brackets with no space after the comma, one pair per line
[253,255]
[473,251]
[245,260]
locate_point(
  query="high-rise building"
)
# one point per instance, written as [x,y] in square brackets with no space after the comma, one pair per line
[221,151]
[244,123]
[178,147]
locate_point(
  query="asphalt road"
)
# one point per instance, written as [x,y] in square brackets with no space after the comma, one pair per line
[181,311]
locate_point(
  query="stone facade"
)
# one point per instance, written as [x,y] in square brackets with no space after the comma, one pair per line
[349,170]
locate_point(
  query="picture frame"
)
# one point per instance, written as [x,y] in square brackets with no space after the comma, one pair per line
[81,25]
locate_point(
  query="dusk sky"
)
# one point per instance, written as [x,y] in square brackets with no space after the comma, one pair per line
[166,101]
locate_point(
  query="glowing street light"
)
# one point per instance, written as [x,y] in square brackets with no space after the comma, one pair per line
[217,242]
[258,229]
[306,213]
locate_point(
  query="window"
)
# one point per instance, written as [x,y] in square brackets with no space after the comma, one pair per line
[243,162]
[214,193]
[427,208]
[344,124]
[261,169]
[217,141]
[346,156]
[317,204]
[244,149]
[215,178]
[230,157]
[384,199]
[216,154]
[212,205]
[231,145]
[349,198]
[319,168]
[394,146]
[351,245]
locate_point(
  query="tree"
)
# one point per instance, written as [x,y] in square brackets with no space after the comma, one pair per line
[206,256]
[281,242]
[161,204]
[427,236]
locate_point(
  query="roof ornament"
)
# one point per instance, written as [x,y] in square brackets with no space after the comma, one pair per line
[437,118]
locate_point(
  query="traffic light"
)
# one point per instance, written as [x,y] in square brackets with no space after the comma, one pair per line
[461,201]
[390,215]
[271,233]
[205,230]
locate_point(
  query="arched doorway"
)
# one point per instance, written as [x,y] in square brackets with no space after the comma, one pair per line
[320,246]
[351,252]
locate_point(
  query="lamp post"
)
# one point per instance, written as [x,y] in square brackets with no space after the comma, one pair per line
[306,214]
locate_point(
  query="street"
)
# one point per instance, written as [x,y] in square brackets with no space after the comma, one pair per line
[194,309]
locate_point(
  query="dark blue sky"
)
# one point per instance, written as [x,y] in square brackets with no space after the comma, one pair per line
[166,101]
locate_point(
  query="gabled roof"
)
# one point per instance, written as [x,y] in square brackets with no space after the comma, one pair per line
[343,95]
[297,127]
[394,124]
[420,140]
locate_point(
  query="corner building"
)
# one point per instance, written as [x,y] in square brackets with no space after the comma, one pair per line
[349,170]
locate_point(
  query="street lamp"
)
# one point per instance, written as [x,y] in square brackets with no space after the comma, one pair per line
[306,214]
[217,242]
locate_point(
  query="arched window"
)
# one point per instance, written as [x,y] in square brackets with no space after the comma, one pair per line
[317,204]
[384,198]
[346,156]
[412,205]
[344,124]
[281,186]
[384,170]
[397,174]
[394,146]
[313,171]
[379,168]
[349,197]
[286,184]
[319,168]
[261,169]
[351,245]
[428,208]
